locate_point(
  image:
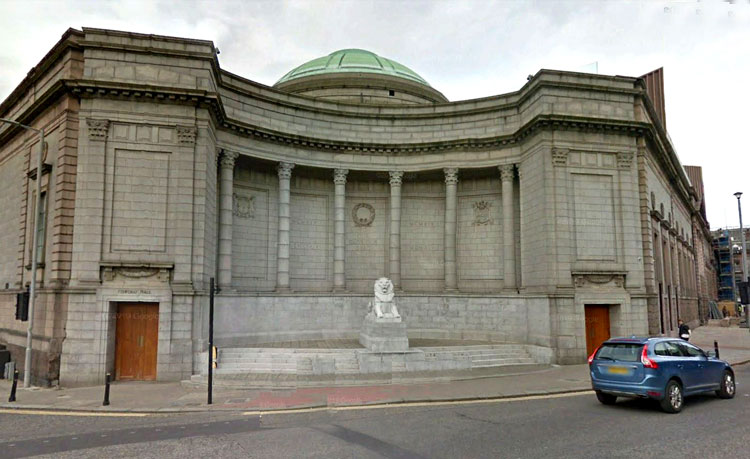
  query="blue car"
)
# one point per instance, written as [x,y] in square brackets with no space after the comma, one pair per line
[663,369]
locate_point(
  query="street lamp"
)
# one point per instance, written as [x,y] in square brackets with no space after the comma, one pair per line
[34,254]
[738,195]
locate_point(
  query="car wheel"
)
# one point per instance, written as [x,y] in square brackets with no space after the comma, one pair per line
[673,398]
[727,388]
[607,399]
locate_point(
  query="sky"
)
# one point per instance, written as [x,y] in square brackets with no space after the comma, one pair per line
[465,49]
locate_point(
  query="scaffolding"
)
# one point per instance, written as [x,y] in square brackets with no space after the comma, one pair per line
[722,245]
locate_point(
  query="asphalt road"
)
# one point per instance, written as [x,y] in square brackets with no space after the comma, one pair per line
[572,426]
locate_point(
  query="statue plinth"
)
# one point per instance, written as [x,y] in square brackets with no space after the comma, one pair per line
[383,330]
[383,334]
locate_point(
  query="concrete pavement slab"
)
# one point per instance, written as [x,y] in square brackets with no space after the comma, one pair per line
[155,397]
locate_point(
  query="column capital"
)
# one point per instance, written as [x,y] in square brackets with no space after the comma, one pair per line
[227,158]
[396,177]
[97,128]
[451,175]
[506,171]
[186,134]
[339,176]
[285,170]
[560,157]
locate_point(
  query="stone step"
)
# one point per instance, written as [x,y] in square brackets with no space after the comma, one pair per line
[475,351]
[472,354]
[478,347]
[282,350]
[257,360]
[500,363]
[220,371]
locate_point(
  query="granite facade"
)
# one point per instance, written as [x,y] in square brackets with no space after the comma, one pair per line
[498,218]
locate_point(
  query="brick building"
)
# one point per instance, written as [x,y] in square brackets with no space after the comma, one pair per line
[552,216]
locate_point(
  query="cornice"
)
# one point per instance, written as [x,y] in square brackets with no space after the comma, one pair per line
[69,40]
[41,103]
[514,99]
[212,101]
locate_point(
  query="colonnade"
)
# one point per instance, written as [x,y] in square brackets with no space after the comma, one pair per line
[226,186]
[676,263]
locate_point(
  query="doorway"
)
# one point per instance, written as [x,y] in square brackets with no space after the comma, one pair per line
[597,325]
[136,341]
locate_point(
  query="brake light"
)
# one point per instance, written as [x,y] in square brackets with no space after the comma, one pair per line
[647,363]
[591,357]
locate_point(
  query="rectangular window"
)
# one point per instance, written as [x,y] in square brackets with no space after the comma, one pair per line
[42,229]
[624,352]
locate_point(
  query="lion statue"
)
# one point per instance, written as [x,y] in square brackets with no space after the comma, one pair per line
[383,305]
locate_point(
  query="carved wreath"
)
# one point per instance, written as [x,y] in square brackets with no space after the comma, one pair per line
[136,273]
[363,214]
[243,206]
[481,213]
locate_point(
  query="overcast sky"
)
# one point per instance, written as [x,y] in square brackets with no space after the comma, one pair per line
[466,50]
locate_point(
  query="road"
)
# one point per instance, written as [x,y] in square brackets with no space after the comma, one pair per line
[569,426]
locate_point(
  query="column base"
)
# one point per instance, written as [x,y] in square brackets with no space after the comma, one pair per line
[283,290]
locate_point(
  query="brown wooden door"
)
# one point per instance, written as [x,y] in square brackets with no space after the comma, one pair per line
[136,341]
[597,326]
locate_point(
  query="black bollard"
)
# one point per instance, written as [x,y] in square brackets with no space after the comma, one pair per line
[106,390]
[12,397]
[716,348]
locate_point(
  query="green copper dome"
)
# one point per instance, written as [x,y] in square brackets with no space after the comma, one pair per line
[353,61]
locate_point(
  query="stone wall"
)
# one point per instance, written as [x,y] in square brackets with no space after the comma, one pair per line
[244,320]
[11,180]
[254,229]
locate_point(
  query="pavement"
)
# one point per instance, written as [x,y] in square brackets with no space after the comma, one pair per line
[164,397]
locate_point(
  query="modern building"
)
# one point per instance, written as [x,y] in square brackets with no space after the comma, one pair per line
[727,243]
[553,216]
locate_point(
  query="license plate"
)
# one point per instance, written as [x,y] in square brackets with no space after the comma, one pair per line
[618,370]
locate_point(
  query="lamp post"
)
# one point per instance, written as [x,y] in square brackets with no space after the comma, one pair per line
[34,254]
[738,195]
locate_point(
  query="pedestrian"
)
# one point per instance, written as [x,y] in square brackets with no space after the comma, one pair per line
[684,330]
[724,312]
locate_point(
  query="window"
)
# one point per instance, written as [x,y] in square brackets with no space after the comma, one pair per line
[689,350]
[672,349]
[625,352]
[661,349]
[391,92]
[41,230]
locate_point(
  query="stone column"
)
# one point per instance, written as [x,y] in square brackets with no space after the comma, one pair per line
[339,247]
[449,248]
[226,204]
[282,258]
[676,275]
[396,178]
[509,246]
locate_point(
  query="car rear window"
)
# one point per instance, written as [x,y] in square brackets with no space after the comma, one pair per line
[626,352]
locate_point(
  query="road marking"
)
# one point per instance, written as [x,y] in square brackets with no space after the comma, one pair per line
[74,413]
[416,404]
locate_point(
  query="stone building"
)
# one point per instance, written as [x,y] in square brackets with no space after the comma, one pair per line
[553,216]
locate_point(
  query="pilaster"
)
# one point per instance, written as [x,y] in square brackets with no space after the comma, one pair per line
[509,251]
[451,185]
[226,190]
[396,178]
[282,266]
[339,247]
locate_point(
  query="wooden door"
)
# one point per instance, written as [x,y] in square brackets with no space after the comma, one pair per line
[136,341]
[597,326]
